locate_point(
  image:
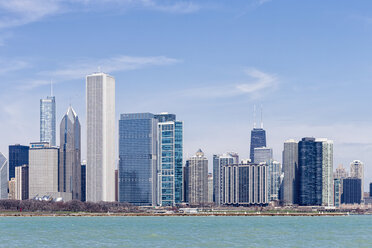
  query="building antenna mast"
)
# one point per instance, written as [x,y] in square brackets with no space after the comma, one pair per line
[261,117]
[254,116]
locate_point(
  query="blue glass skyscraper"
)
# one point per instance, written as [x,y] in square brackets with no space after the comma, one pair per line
[137,158]
[258,139]
[18,156]
[48,120]
[170,155]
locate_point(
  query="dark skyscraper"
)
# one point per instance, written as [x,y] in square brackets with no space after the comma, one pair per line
[370,190]
[351,192]
[83,182]
[310,172]
[70,154]
[258,136]
[137,158]
[18,156]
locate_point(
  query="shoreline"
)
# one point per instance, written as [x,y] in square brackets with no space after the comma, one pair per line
[83,214]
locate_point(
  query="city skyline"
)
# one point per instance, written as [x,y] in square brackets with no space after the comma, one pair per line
[151,72]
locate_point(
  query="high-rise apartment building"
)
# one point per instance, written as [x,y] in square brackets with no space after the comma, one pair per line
[289,189]
[370,190]
[357,171]
[196,179]
[18,156]
[70,155]
[310,172]
[48,120]
[4,170]
[12,188]
[263,155]
[218,162]
[170,160]
[337,185]
[274,173]
[100,101]
[22,182]
[210,187]
[137,173]
[43,169]
[245,184]
[327,172]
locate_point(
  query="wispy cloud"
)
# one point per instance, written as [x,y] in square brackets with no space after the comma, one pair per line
[260,2]
[21,12]
[259,84]
[12,65]
[81,68]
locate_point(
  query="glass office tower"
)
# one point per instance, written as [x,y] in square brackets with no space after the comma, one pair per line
[170,154]
[137,158]
[48,120]
[18,156]
[3,177]
[258,139]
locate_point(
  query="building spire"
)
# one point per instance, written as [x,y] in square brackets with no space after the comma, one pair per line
[261,117]
[254,116]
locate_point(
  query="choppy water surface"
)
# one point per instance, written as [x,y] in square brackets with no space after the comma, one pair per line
[349,231]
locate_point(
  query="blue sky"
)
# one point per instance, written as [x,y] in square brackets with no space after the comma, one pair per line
[309,63]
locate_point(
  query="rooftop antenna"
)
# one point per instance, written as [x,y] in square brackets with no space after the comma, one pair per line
[51,87]
[261,117]
[254,116]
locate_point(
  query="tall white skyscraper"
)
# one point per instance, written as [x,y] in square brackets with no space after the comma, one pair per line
[48,120]
[4,170]
[327,172]
[100,101]
[357,171]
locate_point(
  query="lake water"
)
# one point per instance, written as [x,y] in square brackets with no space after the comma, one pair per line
[348,231]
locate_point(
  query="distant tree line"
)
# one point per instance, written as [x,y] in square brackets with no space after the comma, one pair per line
[71,206]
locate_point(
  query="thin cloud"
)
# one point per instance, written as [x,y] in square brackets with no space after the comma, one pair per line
[260,83]
[260,2]
[81,68]
[12,65]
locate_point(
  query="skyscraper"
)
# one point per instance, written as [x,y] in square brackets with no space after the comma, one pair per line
[43,169]
[218,162]
[196,179]
[70,155]
[22,182]
[351,193]
[258,139]
[210,187]
[138,158]
[290,169]
[327,172]
[18,156]
[340,172]
[100,100]
[48,120]
[310,172]
[357,171]
[273,178]
[263,155]
[170,159]
[83,181]
[3,177]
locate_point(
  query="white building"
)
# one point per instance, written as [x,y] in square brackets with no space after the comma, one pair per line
[100,99]
[357,171]
[327,172]
[4,174]
[43,169]
[275,171]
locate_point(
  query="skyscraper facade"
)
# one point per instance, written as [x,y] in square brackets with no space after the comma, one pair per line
[170,160]
[310,160]
[196,179]
[18,156]
[357,171]
[48,120]
[340,172]
[289,187]
[274,173]
[4,170]
[83,181]
[100,101]
[245,184]
[351,193]
[337,184]
[218,162]
[263,155]
[327,172]
[70,155]
[137,173]
[22,182]
[43,169]
[258,139]
[210,187]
